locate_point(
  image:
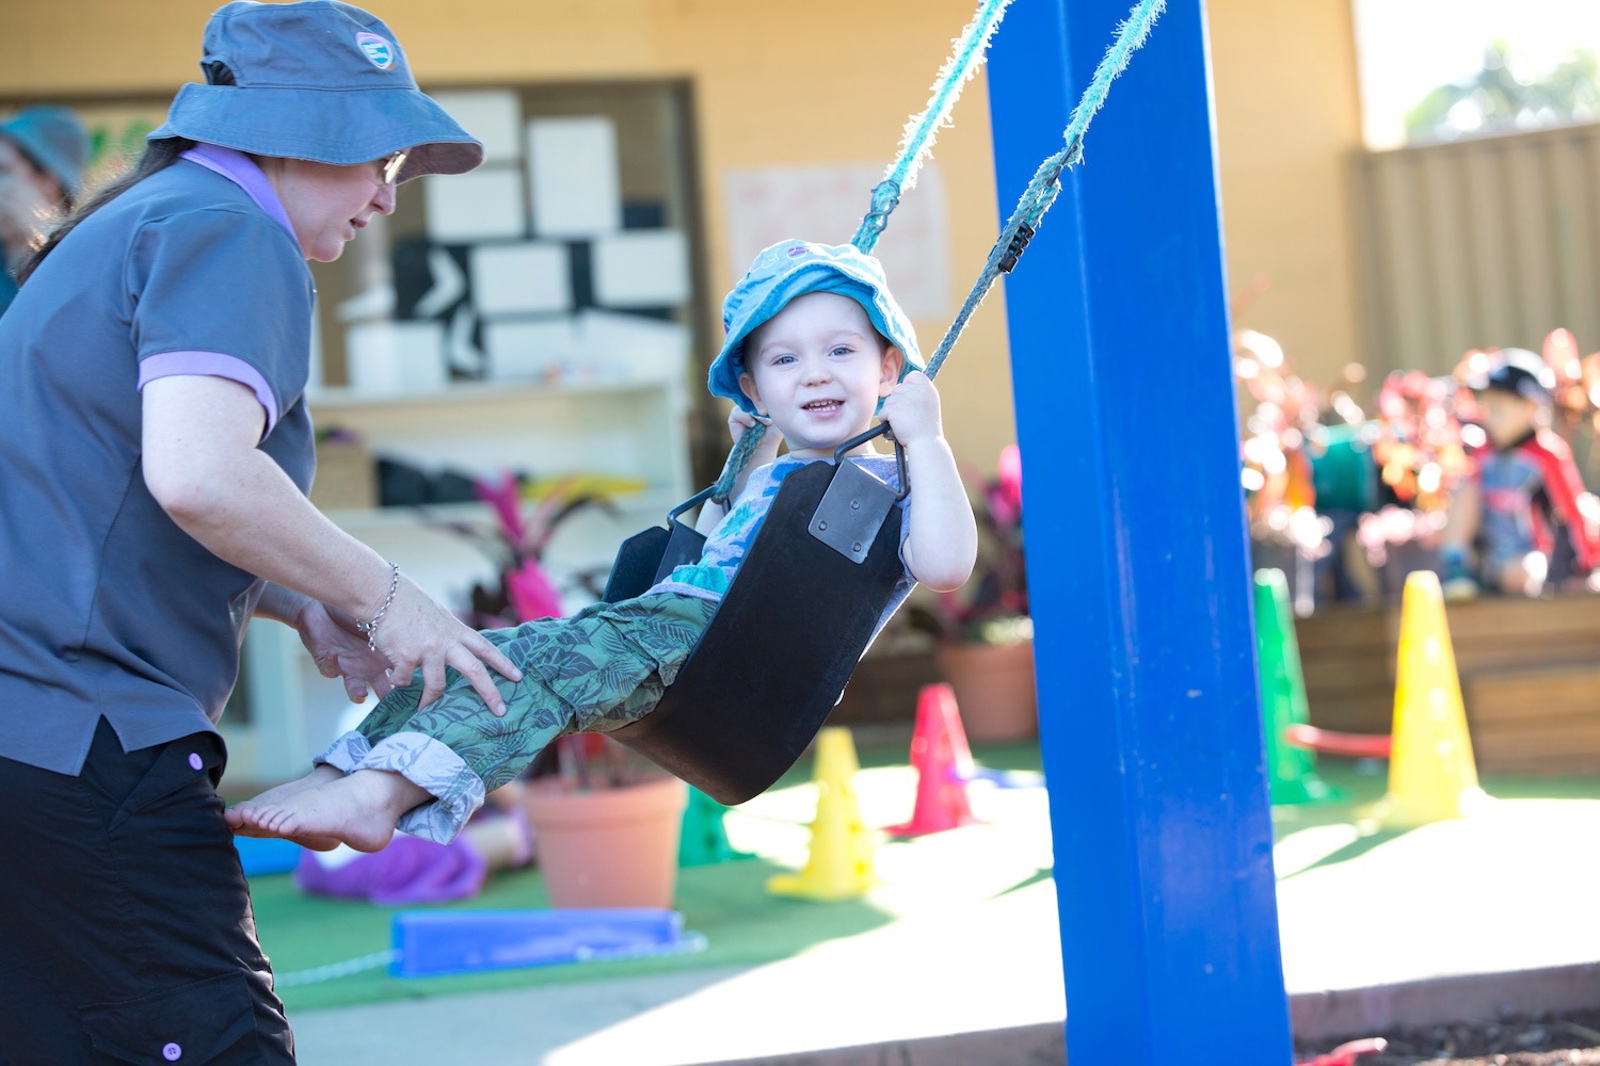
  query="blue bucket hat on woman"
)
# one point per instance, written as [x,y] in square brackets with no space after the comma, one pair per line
[54,141]
[794,268]
[317,80]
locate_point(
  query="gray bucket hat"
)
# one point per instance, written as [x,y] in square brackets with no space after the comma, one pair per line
[318,80]
[54,140]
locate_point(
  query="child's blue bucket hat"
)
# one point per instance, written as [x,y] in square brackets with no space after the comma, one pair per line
[794,268]
[317,80]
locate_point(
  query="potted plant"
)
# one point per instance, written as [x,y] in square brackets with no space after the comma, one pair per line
[983,632]
[607,822]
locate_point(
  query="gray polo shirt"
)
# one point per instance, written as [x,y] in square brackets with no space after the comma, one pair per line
[107,608]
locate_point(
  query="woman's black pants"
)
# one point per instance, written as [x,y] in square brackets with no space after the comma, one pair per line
[126,934]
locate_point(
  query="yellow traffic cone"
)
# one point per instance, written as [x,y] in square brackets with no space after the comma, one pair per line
[1432,775]
[840,863]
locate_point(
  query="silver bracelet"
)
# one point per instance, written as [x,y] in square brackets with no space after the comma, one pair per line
[370,627]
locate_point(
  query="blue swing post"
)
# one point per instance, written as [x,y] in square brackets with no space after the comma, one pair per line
[1150,717]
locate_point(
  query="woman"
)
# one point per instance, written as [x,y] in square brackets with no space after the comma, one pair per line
[42,155]
[153,465]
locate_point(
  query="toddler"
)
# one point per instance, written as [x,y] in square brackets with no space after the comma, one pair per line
[1526,483]
[815,345]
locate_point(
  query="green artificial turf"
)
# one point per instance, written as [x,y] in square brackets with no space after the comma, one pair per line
[726,902]
[744,925]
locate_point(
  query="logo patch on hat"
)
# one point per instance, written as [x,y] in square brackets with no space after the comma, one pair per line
[378,49]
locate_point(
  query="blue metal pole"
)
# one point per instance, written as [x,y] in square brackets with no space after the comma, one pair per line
[1150,717]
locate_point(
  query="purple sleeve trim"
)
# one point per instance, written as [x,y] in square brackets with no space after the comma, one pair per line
[215,365]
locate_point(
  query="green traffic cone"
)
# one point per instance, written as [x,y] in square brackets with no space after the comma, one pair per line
[1291,770]
[704,839]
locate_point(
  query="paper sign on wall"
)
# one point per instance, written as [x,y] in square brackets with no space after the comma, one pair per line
[766,205]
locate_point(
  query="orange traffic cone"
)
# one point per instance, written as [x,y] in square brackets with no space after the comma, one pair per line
[944,765]
[840,863]
[1432,775]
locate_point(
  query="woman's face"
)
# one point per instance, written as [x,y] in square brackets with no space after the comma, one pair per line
[328,204]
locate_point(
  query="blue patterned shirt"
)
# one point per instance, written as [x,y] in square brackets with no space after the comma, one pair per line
[726,545]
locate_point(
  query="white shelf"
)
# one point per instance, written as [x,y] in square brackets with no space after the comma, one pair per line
[649,502]
[631,428]
[476,392]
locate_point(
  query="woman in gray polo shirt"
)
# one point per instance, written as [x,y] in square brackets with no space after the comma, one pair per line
[153,465]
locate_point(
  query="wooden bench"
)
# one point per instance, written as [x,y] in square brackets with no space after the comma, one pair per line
[1530,677]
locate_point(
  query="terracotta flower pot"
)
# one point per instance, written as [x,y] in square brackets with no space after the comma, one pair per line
[608,847]
[994,689]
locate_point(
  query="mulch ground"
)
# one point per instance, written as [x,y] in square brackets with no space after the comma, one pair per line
[1566,1039]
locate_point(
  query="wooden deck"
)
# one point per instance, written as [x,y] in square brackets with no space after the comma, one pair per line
[1530,677]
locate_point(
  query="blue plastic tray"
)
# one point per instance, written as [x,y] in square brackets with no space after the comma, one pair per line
[430,943]
[267,855]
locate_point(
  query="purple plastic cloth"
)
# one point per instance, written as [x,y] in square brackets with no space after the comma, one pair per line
[407,871]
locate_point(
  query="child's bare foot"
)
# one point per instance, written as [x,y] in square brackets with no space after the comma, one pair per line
[244,818]
[360,810]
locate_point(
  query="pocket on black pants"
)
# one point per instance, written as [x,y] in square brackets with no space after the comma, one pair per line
[190,1025]
[193,761]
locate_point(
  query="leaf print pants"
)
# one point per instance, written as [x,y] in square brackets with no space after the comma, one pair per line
[595,671]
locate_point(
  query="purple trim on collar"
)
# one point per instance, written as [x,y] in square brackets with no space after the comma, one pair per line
[243,172]
[216,365]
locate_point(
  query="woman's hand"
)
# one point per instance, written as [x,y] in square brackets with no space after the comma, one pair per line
[340,650]
[416,633]
[201,463]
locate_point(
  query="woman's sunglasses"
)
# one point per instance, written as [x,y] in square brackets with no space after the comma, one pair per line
[391,166]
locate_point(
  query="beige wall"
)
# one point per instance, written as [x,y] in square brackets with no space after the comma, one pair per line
[835,93]
[1288,119]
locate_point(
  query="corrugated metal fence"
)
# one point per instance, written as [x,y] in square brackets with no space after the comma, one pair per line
[1492,242]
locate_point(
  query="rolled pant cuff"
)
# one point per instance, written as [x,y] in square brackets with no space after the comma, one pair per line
[431,766]
[345,753]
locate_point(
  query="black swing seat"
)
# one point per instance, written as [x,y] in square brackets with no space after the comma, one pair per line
[784,640]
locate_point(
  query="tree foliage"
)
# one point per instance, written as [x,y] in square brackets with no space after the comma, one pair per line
[1506,95]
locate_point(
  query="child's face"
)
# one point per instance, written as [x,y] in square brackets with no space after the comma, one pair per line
[817,369]
[1507,417]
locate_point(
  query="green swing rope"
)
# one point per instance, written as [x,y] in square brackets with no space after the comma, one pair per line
[966,57]
[1035,200]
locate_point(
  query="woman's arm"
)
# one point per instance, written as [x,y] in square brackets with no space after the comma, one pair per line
[943,543]
[332,638]
[202,466]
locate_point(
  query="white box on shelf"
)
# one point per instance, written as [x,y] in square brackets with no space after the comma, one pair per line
[572,176]
[486,203]
[531,349]
[632,347]
[641,268]
[393,357]
[494,116]
[524,278]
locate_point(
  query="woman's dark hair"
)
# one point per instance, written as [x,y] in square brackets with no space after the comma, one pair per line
[158,156]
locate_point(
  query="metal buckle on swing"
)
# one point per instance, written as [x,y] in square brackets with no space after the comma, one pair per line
[685,543]
[854,507]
